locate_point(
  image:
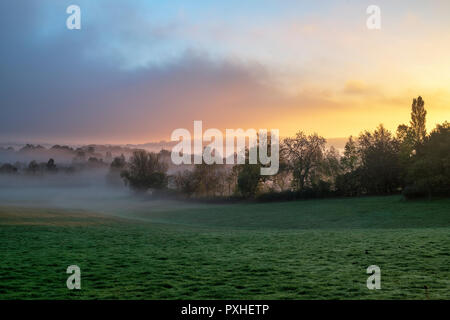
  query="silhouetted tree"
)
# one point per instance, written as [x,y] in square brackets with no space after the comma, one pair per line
[50,166]
[119,163]
[8,169]
[204,180]
[115,169]
[380,169]
[145,171]
[248,179]
[186,182]
[330,169]
[418,120]
[429,172]
[351,158]
[412,137]
[405,137]
[350,183]
[33,167]
[304,155]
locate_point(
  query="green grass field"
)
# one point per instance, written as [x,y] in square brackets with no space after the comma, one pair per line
[317,249]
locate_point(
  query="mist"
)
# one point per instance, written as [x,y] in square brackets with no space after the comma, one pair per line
[86,191]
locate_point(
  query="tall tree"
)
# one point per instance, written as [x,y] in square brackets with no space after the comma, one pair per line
[418,120]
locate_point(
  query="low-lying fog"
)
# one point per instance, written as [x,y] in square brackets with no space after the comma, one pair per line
[86,190]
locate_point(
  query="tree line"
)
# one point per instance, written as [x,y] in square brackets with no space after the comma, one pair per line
[409,161]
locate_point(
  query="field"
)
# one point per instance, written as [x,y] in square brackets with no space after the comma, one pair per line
[317,249]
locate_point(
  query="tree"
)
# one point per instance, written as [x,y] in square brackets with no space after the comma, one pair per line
[304,155]
[145,171]
[207,179]
[351,158]
[405,136]
[115,169]
[8,169]
[380,168]
[203,180]
[350,183]
[118,164]
[330,169]
[51,167]
[94,162]
[33,167]
[418,120]
[371,165]
[430,168]
[412,136]
[248,180]
[281,180]
[186,182]
[248,175]
[231,180]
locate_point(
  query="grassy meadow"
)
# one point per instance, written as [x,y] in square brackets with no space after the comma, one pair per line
[315,249]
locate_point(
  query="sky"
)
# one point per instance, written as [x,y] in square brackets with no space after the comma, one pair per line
[138,70]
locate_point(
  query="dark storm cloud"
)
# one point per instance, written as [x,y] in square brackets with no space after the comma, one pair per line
[54,85]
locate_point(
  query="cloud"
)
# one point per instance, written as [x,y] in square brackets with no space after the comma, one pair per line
[133,74]
[56,89]
[79,98]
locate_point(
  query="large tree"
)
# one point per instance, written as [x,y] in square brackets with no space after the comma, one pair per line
[145,171]
[304,155]
[380,169]
[430,168]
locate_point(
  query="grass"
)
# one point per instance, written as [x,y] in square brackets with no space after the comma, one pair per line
[317,249]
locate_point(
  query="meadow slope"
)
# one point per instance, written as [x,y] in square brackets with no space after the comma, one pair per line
[317,249]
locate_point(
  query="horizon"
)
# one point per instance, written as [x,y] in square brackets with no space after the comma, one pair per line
[337,143]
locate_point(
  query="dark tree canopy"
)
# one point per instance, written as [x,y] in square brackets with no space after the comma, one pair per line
[304,155]
[145,171]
